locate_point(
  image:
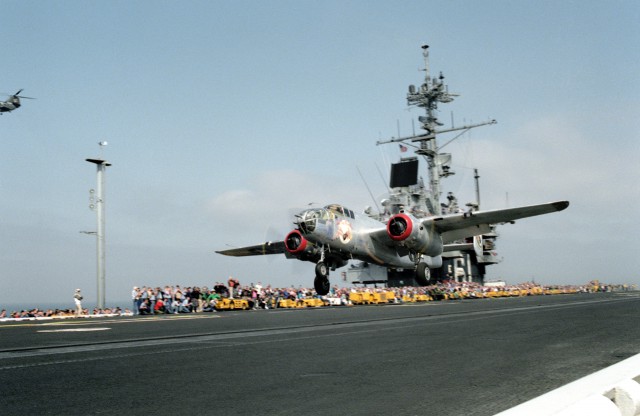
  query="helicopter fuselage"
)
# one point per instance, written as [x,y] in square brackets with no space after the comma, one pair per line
[10,105]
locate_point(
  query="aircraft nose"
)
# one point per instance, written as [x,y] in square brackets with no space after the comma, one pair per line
[307,221]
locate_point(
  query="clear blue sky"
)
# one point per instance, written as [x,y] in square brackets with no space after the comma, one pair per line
[223,116]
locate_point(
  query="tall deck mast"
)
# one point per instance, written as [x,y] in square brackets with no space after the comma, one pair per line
[432,92]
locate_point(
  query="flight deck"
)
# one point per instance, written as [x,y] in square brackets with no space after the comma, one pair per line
[475,357]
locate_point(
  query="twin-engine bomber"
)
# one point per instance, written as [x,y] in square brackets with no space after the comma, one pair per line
[333,235]
[413,232]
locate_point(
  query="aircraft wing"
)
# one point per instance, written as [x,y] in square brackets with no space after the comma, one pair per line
[457,226]
[270,247]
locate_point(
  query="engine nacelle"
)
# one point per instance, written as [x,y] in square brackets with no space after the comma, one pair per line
[299,247]
[409,231]
[295,243]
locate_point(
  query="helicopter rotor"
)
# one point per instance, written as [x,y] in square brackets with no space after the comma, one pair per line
[17,95]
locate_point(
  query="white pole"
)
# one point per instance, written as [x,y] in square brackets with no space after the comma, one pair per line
[100,238]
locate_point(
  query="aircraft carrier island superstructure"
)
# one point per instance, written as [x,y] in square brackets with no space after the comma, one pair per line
[468,261]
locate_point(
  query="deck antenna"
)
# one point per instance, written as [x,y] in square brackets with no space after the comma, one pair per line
[368,189]
[477,177]
[425,55]
[384,180]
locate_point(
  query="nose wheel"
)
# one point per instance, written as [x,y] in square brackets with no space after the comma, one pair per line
[321,282]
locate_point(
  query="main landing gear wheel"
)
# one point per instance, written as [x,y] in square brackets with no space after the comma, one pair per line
[321,282]
[423,274]
[322,285]
[322,270]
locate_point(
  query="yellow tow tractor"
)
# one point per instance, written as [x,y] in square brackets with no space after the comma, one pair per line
[227,304]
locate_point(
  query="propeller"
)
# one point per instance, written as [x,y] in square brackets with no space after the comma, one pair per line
[278,229]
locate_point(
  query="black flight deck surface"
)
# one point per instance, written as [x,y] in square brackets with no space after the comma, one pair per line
[472,357]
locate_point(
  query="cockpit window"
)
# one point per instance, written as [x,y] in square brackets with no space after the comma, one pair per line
[335,208]
[340,210]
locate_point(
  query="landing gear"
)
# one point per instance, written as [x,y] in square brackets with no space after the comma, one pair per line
[322,285]
[423,274]
[321,282]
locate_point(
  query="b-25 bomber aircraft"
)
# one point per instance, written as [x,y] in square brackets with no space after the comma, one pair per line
[333,235]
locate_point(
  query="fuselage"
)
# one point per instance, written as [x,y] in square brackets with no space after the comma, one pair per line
[12,104]
[345,232]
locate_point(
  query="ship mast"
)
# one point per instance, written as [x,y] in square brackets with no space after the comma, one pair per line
[432,92]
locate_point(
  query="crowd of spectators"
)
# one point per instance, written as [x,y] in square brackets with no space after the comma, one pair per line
[177,299]
[192,299]
[62,313]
